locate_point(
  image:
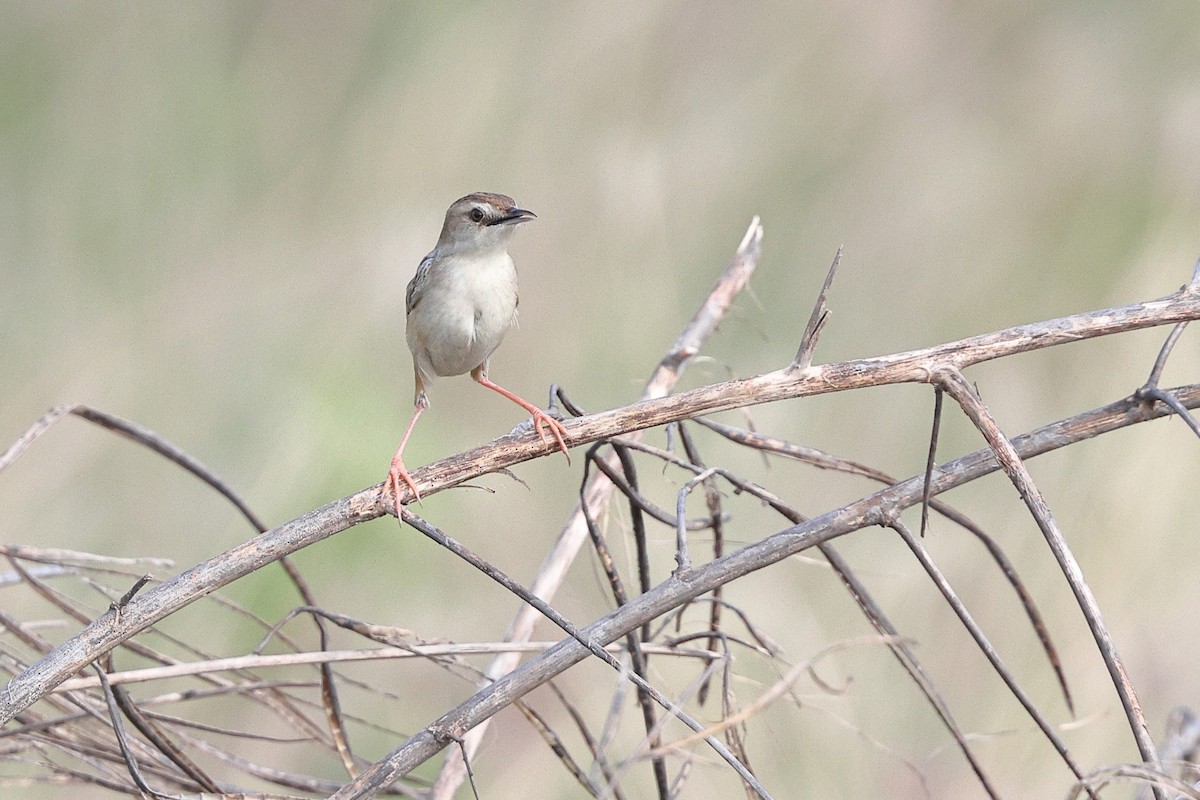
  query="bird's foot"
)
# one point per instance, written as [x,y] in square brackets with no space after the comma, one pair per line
[396,474]
[540,419]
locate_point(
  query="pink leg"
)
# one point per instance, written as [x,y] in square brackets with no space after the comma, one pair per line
[398,472]
[540,417]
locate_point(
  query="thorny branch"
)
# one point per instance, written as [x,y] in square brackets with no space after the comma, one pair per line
[158,759]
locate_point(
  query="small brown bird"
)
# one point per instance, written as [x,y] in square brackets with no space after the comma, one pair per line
[460,304]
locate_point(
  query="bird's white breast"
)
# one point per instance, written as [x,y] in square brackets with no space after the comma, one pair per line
[465,307]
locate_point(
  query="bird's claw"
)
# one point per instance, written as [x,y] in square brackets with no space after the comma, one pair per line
[541,418]
[395,475]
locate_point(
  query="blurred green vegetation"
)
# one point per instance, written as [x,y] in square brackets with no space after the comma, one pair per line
[210,211]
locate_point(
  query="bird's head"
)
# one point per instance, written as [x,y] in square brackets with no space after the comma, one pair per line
[481,221]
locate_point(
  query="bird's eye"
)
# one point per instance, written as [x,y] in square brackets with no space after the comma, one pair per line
[477,215]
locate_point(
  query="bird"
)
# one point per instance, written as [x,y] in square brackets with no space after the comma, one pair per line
[458,306]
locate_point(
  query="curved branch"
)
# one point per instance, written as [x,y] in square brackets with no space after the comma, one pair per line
[682,587]
[111,629]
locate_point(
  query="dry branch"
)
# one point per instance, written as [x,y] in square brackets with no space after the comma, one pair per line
[956,385]
[940,366]
[916,366]
[876,509]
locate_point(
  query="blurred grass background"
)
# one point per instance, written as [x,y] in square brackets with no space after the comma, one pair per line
[210,211]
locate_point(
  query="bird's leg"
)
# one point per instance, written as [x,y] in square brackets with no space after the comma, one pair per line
[540,417]
[398,472]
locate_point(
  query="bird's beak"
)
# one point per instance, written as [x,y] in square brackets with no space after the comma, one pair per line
[515,216]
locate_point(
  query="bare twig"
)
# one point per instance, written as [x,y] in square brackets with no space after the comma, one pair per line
[1164,353]
[953,381]
[1151,392]
[53,555]
[133,590]
[637,656]
[930,461]
[712,496]
[555,742]
[430,651]
[683,559]
[599,759]
[816,321]
[131,761]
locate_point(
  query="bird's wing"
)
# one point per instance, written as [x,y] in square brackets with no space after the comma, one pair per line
[413,295]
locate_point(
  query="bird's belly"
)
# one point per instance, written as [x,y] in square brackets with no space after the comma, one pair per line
[467,332]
